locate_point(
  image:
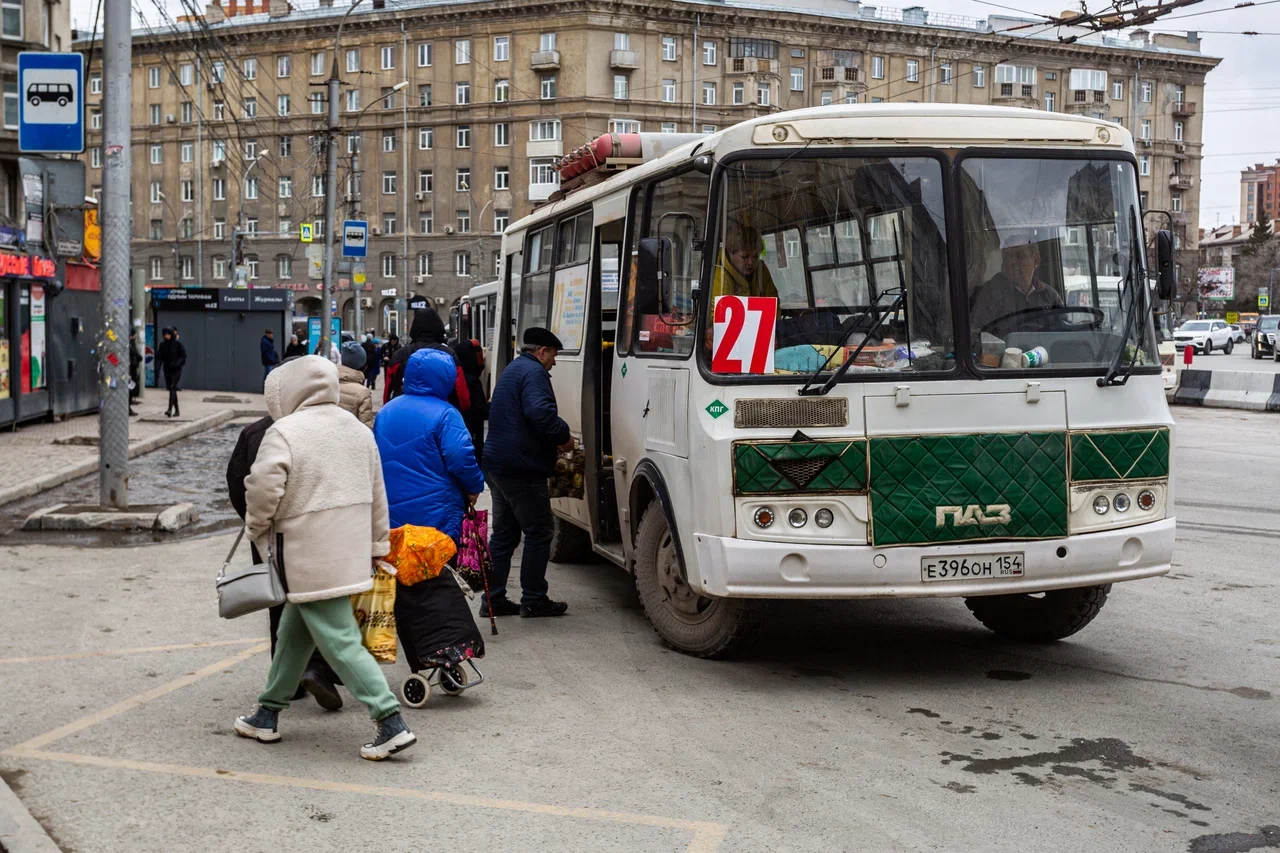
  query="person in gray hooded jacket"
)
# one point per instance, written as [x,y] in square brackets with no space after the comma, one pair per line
[315,497]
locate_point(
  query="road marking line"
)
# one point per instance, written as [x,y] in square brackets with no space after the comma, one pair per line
[132,702]
[707,835]
[138,651]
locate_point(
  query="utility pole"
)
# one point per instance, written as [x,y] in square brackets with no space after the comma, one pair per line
[199,178]
[113,355]
[402,298]
[330,202]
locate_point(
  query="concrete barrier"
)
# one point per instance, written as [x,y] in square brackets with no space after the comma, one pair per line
[1228,389]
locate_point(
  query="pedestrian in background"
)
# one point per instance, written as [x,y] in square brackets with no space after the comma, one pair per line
[356,397]
[386,352]
[525,429]
[315,495]
[171,357]
[270,358]
[334,355]
[471,360]
[370,359]
[295,348]
[427,332]
[135,372]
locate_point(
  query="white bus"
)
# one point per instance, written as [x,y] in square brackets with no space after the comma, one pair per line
[841,363]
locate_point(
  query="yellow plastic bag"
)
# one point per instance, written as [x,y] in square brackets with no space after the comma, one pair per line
[376,615]
[419,553]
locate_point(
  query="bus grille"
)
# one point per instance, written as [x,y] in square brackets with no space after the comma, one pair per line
[766,413]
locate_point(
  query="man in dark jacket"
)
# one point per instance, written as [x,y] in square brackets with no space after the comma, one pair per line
[135,371]
[471,359]
[319,679]
[270,358]
[525,429]
[371,365]
[427,332]
[171,356]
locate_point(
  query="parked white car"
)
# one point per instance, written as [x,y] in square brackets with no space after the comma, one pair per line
[1237,334]
[1205,336]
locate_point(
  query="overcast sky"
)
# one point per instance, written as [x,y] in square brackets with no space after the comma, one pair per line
[1242,99]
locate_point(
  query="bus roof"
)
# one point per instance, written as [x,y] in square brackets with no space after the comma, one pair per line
[485,289]
[882,125]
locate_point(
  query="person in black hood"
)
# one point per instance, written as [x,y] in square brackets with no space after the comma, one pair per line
[135,370]
[471,359]
[427,332]
[171,356]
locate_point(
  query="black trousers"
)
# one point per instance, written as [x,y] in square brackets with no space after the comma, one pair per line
[171,382]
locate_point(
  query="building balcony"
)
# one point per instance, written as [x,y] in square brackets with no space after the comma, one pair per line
[1181,182]
[542,192]
[1184,109]
[750,65]
[623,60]
[831,74]
[545,60]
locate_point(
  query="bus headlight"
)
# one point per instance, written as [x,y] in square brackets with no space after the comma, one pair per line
[824,518]
[1114,504]
[1101,504]
[1120,503]
[797,517]
[763,517]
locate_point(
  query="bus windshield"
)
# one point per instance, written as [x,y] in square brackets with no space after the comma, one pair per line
[834,240]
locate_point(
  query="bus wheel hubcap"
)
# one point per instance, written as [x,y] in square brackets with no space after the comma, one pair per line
[681,601]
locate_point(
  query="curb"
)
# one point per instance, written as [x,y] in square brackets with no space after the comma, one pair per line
[19,831]
[1228,389]
[57,478]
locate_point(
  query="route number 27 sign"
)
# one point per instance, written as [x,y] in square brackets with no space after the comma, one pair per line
[742,337]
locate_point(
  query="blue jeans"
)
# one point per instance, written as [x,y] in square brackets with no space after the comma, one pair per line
[266,371]
[520,506]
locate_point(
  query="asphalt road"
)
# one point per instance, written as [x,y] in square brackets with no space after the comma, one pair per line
[885,725]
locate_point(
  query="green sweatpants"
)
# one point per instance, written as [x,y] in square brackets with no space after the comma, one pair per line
[330,626]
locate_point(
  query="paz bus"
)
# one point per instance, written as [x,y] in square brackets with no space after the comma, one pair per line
[838,361]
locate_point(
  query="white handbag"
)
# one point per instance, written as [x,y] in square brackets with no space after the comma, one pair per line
[248,590]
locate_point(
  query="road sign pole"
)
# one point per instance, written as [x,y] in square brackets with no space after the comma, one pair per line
[330,204]
[113,357]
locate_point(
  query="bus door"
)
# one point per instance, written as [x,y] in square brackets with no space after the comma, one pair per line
[597,435]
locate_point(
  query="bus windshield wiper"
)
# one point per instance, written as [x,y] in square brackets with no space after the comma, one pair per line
[808,391]
[1113,375]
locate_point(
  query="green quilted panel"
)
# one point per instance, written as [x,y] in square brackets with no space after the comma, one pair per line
[1132,455]
[973,483]
[799,467]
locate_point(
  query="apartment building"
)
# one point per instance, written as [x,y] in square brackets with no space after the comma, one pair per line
[1260,191]
[229,120]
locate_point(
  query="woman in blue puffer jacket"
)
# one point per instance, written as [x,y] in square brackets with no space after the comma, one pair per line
[430,473]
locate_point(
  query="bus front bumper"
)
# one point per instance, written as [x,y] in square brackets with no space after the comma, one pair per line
[744,568]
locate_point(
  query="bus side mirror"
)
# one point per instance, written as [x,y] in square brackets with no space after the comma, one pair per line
[653,275]
[1166,270]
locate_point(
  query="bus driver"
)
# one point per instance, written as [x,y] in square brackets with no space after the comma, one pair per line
[739,271]
[1015,288]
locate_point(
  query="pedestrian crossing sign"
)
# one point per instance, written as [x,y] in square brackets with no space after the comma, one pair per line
[306,233]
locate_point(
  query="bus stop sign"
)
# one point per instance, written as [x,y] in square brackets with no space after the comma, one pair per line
[355,238]
[51,103]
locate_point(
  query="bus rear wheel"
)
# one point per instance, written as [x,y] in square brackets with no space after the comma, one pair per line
[698,625]
[1039,617]
[569,542]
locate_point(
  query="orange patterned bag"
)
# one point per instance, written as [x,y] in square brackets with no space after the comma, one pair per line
[419,553]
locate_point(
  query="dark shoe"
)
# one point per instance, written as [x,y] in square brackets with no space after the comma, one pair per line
[168,413]
[545,607]
[326,695]
[132,413]
[261,725]
[501,607]
[393,736]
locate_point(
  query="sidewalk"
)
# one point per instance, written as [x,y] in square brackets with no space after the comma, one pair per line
[40,456]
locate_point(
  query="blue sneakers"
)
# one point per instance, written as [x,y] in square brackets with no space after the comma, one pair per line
[261,725]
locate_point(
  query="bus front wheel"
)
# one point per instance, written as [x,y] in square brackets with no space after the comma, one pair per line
[1040,617]
[686,621]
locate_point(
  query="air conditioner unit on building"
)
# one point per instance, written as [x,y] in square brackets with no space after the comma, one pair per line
[170,119]
[376,230]
[420,279]
[448,229]
[1145,143]
[366,303]
[419,196]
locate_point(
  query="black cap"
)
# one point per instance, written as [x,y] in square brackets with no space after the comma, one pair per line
[536,336]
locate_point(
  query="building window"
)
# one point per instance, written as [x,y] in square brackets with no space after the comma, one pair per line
[548,87]
[219,189]
[388,224]
[157,269]
[542,173]
[739,93]
[668,48]
[95,157]
[547,41]
[797,79]
[668,127]
[1177,202]
[284,266]
[501,48]
[1148,89]
[424,264]
[709,93]
[764,94]
[250,188]
[388,141]
[251,226]
[425,223]
[708,53]
[708,129]
[1144,129]
[388,265]
[669,91]
[285,186]
[353,61]
[388,183]
[979,76]
[462,264]
[157,154]
[317,63]
[11,106]
[826,98]
[1049,101]
[464,136]
[153,77]
[157,229]
[219,229]
[1177,131]
[877,67]
[1179,96]
[187,152]
[250,107]
[251,263]
[250,149]
[463,218]
[462,94]
[282,105]
[623,125]
[426,182]
[188,191]
[913,71]
[219,110]
[462,180]
[544,131]
[388,98]
[317,186]
[219,268]
[424,55]
[944,74]
[95,80]
[1144,165]
[620,87]
[188,267]
[282,66]
[424,96]
[317,103]
[462,52]
[501,91]
[501,219]
[426,136]
[501,135]
[157,194]
[186,74]
[353,100]
[153,113]
[501,178]
[95,119]
[388,58]
[1117,90]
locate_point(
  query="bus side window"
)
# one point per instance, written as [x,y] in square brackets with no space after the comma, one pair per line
[676,213]
[535,286]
